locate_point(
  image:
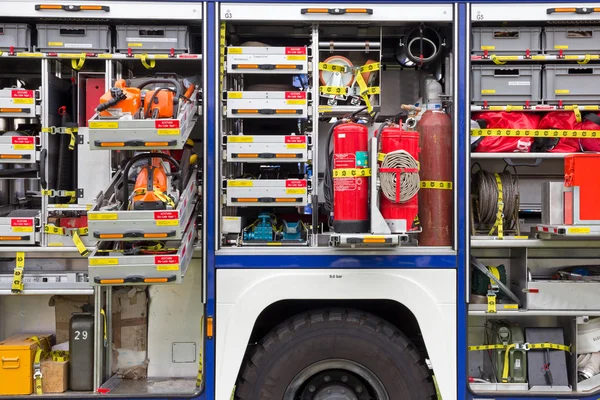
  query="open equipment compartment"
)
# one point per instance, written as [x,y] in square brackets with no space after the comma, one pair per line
[50,90]
[533,255]
[288,73]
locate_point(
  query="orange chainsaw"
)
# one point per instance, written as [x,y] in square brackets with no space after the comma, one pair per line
[156,187]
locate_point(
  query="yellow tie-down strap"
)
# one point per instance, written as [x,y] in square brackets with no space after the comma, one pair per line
[74,233]
[42,350]
[332,67]
[53,130]
[491,296]
[17,283]
[351,172]
[520,346]
[61,193]
[499,224]
[200,376]
[441,185]
[542,133]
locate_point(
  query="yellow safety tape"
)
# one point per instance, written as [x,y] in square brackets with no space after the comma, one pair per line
[491,297]
[509,347]
[83,251]
[499,224]
[145,63]
[17,284]
[61,193]
[586,59]
[577,113]
[200,377]
[436,185]
[161,196]
[103,313]
[334,90]
[60,355]
[370,67]
[56,230]
[381,157]
[332,67]
[553,133]
[497,60]
[351,172]
[363,92]
[78,64]
[372,90]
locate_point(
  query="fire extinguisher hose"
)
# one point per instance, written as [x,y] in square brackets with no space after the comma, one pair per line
[409,181]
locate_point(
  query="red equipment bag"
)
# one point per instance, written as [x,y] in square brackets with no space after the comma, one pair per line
[591,122]
[561,120]
[506,120]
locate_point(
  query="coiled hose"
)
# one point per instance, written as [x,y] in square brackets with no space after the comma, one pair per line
[409,181]
[484,186]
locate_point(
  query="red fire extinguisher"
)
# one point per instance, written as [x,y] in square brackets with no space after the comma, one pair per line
[348,166]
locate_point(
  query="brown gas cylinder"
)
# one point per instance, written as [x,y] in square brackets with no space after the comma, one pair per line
[436,173]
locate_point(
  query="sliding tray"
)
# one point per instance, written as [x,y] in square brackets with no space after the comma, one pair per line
[20,228]
[266,192]
[131,225]
[143,134]
[267,105]
[267,148]
[562,295]
[17,103]
[267,60]
[108,267]
[18,150]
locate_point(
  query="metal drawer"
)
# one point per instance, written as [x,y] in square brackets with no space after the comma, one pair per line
[267,60]
[17,103]
[267,148]
[267,105]
[144,225]
[20,228]
[266,192]
[143,134]
[115,268]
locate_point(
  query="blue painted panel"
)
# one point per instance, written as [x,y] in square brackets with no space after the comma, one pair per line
[333,261]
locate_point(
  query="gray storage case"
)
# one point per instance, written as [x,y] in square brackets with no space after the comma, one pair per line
[153,39]
[573,84]
[17,36]
[506,84]
[73,38]
[515,40]
[572,39]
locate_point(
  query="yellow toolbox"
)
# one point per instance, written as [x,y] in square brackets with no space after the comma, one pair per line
[17,355]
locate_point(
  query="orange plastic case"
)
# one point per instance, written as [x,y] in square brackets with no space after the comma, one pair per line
[17,355]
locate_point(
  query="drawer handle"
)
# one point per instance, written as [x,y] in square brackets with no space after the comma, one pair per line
[6,360]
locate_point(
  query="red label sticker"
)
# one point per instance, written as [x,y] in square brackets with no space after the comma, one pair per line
[21,222]
[295,50]
[295,139]
[23,140]
[21,94]
[166,123]
[161,215]
[295,95]
[295,183]
[166,260]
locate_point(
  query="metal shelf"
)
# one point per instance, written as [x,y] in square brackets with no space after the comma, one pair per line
[55,289]
[535,57]
[534,108]
[537,313]
[546,156]
[101,56]
[325,110]
[533,243]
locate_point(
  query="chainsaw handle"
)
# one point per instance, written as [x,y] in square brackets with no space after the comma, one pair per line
[170,81]
[142,156]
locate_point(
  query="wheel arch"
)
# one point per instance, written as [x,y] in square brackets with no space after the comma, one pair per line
[251,302]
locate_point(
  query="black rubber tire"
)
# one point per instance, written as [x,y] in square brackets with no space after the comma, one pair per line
[334,334]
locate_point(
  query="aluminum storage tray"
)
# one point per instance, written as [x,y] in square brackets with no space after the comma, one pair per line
[506,40]
[562,295]
[144,225]
[114,268]
[267,148]
[19,228]
[266,192]
[267,105]
[17,103]
[143,134]
[267,60]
